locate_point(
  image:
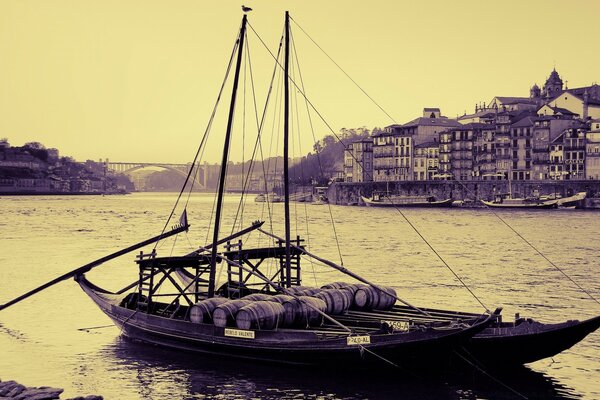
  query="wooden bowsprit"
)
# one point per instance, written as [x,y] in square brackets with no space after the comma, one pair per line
[85,268]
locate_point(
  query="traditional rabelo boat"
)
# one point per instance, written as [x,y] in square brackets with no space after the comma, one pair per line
[506,201]
[382,199]
[275,318]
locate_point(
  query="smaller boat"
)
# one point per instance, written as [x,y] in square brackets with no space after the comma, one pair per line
[320,195]
[268,197]
[382,199]
[506,201]
[575,201]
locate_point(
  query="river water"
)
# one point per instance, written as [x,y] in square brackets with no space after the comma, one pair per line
[47,340]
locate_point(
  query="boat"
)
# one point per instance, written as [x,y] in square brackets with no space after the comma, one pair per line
[507,201]
[268,197]
[274,318]
[382,199]
[575,201]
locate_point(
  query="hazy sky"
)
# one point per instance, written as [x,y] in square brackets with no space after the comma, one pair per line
[136,80]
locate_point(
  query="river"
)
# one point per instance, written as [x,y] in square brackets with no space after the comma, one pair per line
[48,339]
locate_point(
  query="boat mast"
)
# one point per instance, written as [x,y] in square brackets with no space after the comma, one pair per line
[286,128]
[213,258]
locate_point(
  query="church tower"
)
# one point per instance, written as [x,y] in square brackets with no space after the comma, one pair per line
[535,92]
[553,85]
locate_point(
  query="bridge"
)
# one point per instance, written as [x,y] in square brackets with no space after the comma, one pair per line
[203,173]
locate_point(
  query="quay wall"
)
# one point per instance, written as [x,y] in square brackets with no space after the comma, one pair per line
[344,193]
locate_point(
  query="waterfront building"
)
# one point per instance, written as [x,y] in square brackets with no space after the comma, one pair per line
[426,161]
[521,134]
[393,149]
[567,154]
[592,151]
[485,153]
[383,157]
[545,130]
[358,161]
[458,151]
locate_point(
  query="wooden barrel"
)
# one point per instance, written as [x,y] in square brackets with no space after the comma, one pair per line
[370,298]
[224,314]
[260,315]
[301,290]
[353,287]
[202,310]
[337,301]
[257,297]
[280,298]
[298,313]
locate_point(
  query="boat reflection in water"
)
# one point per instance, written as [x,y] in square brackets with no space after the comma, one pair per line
[162,373]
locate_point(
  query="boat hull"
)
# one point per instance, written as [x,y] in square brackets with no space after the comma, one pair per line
[525,206]
[529,341]
[420,349]
[438,203]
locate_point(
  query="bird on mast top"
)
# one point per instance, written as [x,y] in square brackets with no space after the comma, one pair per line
[246,9]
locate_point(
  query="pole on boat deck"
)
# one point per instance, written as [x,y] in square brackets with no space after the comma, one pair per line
[96,263]
[286,129]
[213,258]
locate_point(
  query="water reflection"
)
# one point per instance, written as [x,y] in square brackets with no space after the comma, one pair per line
[163,373]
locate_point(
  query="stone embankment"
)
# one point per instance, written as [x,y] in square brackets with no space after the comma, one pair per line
[345,193]
[15,391]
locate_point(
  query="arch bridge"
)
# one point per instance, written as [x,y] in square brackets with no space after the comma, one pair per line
[129,168]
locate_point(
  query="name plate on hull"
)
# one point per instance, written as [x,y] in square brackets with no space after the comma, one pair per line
[398,326]
[239,333]
[358,340]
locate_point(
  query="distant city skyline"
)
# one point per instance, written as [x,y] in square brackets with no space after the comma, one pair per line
[136,81]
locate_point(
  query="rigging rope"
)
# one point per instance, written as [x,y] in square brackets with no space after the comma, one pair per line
[341,69]
[341,141]
[316,151]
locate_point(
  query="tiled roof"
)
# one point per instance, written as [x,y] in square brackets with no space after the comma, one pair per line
[515,100]
[422,121]
[427,144]
[524,122]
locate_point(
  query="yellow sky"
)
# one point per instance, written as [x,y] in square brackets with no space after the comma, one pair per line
[136,80]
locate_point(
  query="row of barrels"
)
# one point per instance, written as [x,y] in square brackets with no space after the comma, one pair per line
[263,311]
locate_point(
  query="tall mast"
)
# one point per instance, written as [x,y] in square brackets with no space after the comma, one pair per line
[286,129]
[213,258]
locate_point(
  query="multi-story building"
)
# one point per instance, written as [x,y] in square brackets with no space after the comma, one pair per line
[592,151]
[521,134]
[567,154]
[545,130]
[393,149]
[383,157]
[485,153]
[358,161]
[426,161]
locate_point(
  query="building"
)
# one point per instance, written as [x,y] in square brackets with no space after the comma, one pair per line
[567,154]
[393,149]
[592,151]
[358,161]
[485,154]
[426,161]
[545,130]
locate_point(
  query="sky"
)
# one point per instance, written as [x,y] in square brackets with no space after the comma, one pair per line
[136,81]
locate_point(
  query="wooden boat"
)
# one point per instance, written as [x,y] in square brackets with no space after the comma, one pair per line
[379,199]
[520,203]
[274,319]
[269,197]
[575,201]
